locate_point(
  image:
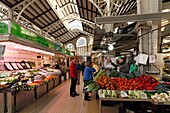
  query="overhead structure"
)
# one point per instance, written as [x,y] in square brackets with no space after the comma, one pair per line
[113,8]
[132,18]
[49,17]
[43,16]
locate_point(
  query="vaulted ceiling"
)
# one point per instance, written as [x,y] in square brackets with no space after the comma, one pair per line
[42,15]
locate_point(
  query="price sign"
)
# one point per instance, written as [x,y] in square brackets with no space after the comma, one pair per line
[152,59]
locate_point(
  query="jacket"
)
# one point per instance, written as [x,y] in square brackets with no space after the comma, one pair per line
[88,73]
[73,71]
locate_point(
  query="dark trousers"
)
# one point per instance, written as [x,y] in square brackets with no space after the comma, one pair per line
[78,78]
[86,93]
[73,86]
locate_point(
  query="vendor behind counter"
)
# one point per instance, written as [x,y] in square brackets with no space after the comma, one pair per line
[121,65]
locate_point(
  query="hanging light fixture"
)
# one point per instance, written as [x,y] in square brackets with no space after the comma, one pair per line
[111,47]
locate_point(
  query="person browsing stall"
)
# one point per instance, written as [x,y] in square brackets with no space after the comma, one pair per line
[88,76]
[73,76]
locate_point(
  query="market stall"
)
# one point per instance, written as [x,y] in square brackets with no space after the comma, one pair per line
[27,86]
[26,66]
[136,88]
[130,92]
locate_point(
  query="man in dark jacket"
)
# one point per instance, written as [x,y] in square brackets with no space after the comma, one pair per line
[122,66]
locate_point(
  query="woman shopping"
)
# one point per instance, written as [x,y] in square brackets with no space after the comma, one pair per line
[88,76]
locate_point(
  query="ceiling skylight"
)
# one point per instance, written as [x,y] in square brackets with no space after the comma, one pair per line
[67,11]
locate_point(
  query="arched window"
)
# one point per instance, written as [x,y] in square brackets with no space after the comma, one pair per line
[81,46]
[70,47]
[81,42]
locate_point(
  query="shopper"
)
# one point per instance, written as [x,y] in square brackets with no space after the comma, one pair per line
[82,67]
[88,76]
[57,66]
[73,76]
[78,67]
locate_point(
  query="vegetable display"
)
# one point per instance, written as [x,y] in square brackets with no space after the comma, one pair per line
[142,82]
[162,97]
[122,94]
[27,79]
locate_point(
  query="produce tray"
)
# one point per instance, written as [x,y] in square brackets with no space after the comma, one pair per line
[126,99]
[161,103]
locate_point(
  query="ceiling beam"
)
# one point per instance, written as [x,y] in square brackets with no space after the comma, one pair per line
[72,38]
[62,35]
[24,7]
[41,14]
[55,22]
[131,18]
[88,10]
[81,5]
[21,3]
[57,30]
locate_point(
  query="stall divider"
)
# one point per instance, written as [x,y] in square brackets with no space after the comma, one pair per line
[14,93]
[60,79]
[47,85]
[5,102]
[35,92]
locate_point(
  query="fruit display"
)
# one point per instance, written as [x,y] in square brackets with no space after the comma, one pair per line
[162,97]
[50,77]
[142,82]
[27,79]
[106,82]
[96,67]
[101,72]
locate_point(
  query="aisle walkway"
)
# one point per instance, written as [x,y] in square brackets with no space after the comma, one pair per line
[59,101]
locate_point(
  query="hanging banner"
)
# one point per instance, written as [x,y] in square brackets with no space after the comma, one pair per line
[24,33]
[4,27]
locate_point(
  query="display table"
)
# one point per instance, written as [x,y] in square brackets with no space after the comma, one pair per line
[18,99]
[120,100]
[24,98]
[57,81]
[41,90]
[50,85]
[157,107]
[163,107]
[2,102]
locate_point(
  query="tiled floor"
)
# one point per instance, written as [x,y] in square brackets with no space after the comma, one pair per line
[59,101]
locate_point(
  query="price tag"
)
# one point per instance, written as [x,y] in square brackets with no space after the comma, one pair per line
[152,59]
